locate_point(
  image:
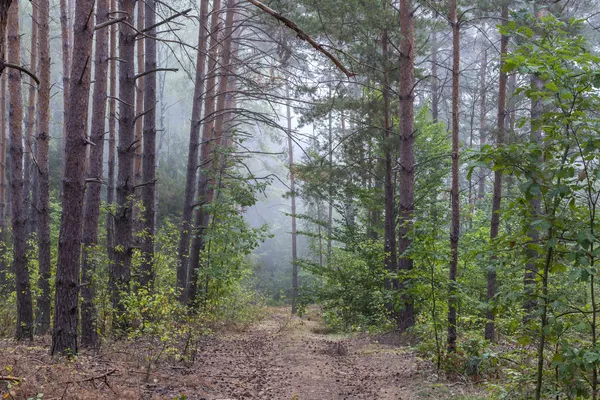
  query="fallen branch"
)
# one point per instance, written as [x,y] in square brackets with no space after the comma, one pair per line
[10,378]
[302,35]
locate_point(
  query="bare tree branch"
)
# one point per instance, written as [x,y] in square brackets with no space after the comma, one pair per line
[302,35]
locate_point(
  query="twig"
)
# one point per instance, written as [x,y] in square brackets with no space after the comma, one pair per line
[10,378]
[302,35]
[172,17]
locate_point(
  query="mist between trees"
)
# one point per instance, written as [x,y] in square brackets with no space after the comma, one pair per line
[427,168]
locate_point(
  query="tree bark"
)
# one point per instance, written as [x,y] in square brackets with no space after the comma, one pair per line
[126,150]
[293,200]
[138,132]
[3,227]
[490,328]
[202,217]
[64,336]
[149,160]
[482,119]
[112,130]
[20,268]
[390,261]
[435,97]
[65,31]
[4,10]
[43,169]
[455,223]
[93,191]
[30,125]
[406,317]
[192,164]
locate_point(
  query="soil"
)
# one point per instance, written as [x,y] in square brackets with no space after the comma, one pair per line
[281,358]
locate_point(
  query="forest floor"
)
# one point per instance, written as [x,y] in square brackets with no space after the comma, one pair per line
[280,358]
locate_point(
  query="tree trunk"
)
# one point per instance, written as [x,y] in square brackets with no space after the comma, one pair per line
[126,150]
[20,268]
[138,138]
[65,30]
[43,169]
[288,109]
[64,336]
[390,261]
[112,128]
[406,317]
[4,9]
[192,164]
[435,97]
[3,227]
[455,224]
[206,152]
[482,118]
[490,329]
[30,125]
[94,181]
[149,161]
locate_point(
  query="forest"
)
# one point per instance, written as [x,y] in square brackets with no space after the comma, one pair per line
[303,200]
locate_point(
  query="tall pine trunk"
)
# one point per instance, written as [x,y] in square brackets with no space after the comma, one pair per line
[30,126]
[64,335]
[406,197]
[455,223]
[18,219]
[149,157]
[390,261]
[126,150]
[482,121]
[43,167]
[206,154]
[3,227]
[192,163]
[65,32]
[112,131]
[288,109]
[490,328]
[94,181]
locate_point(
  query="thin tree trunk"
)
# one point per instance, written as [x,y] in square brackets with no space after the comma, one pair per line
[64,335]
[288,109]
[126,150]
[149,160]
[202,217]
[4,10]
[330,186]
[192,164]
[93,192]
[455,224]
[112,128]
[390,261]
[3,227]
[43,169]
[482,118]
[138,132]
[30,125]
[435,97]
[65,31]
[20,268]
[490,329]
[406,317]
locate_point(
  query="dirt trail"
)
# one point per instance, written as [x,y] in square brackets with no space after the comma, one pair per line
[288,359]
[280,358]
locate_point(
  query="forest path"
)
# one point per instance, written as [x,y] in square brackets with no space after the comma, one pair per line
[286,358]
